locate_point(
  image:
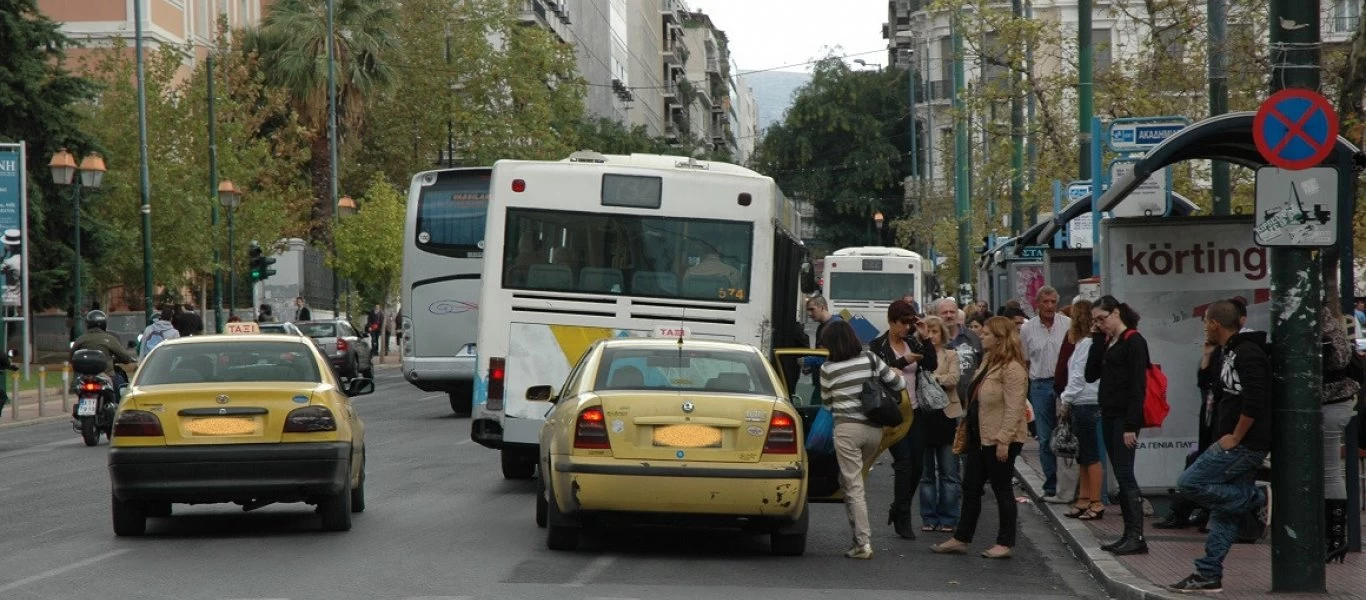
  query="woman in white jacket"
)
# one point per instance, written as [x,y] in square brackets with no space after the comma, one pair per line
[1079,403]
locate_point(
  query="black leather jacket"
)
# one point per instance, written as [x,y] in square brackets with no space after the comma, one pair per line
[882,347]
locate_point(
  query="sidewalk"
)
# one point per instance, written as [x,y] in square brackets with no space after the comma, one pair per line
[1247,570]
[23,407]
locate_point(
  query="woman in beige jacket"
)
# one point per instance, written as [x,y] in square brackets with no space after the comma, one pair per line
[996,432]
[941,487]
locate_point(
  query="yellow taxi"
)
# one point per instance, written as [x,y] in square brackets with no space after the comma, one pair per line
[251,419]
[678,431]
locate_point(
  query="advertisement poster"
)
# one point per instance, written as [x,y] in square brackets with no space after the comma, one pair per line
[12,213]
[1169,270]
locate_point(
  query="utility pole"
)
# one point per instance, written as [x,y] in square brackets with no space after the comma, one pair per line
[144,186]
[332,146]
[962,190]
[1297,539]
[1218,95]
[213,193]
[1016,134]
[450,123]
[1031,143]
[1085,91]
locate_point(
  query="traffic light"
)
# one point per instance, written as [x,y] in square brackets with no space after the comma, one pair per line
[260,263]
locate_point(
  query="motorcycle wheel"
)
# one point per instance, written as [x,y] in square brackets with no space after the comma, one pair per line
[89,432]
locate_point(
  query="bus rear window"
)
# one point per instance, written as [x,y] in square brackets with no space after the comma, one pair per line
[451,213]
[628,255]
[876,287]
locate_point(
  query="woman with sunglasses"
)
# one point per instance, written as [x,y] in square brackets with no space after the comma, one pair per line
[1118,358]
[905,347]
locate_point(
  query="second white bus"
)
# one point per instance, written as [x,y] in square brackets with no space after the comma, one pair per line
[861,282]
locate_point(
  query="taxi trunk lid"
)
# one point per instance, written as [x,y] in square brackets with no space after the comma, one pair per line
[205,413]
[725,428]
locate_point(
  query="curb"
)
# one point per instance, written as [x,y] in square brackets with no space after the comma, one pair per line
[1117,579]
[7,424]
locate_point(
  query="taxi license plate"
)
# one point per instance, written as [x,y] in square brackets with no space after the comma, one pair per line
[86,408]
[211,426]
[687,436]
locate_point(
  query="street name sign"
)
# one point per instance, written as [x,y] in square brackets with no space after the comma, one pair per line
[1139,135]
[1296,208]
[1295,129]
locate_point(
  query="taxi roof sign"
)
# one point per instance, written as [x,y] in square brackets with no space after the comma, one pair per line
[242,327]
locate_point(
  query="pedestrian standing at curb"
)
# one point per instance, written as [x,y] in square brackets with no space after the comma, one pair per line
[941,488]
[7,365]
[905,348]
[856,438]
[1080,407]
[1118,359]
[993,434]
[374,322]
[1043,337]
[1223,478]
[1340,387]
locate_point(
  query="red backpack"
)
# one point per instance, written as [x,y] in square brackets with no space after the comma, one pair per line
[1155,406]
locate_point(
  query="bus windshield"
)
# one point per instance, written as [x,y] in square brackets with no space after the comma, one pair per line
[451,213]
[878,287]
[622,254]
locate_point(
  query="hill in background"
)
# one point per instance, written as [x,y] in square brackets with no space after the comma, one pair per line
[774,90]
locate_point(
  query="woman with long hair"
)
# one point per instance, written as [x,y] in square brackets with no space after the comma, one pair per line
[1118,359]
[995,432]
[856,438]
[904,347]
[940,485]
[1079,405]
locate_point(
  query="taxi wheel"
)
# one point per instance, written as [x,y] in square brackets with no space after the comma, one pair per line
[129,519]
[336,510]
[790,538]
[562,532]
[358,492]
[542,505]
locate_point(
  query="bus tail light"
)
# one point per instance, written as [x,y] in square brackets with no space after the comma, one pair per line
[497,378]
[590,433]
[782,434]
[519,185]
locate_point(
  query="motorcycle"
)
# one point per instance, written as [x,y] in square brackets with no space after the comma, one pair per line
[97,397]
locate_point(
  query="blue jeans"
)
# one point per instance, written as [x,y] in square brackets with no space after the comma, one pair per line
[1045,405]
[941,487]
[1224,482]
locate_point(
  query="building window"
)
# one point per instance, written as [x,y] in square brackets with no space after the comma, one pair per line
[946,61]
[1172,42]
[1346,14]
[1104,55]
[202,18]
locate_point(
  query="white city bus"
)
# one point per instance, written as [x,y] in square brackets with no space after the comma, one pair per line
[597,247]
[443,241]
[861,282]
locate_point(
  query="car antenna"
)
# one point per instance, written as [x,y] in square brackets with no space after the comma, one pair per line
[681,324]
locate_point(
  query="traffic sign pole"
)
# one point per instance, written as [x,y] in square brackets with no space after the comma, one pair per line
[1297,538]
[1097,188]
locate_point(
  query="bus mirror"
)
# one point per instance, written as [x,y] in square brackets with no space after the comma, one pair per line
[540,393]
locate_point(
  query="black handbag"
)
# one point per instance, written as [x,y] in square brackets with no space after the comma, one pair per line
[1064,443]
[881,403]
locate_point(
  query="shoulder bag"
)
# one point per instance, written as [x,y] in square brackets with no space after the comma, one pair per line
[881,404]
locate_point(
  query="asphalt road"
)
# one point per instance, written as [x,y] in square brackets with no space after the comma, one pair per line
[441,522]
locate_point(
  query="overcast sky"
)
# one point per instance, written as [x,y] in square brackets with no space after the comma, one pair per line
[771,33]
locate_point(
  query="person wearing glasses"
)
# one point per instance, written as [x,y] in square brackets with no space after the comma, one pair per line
[906,347]
[1118,358]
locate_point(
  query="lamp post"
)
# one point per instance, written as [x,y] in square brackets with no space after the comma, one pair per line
[63,166]
[863,63]
[345,208]
[231,197]
[877,221]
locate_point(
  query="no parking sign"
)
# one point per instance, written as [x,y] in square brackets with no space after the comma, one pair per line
[1295,129]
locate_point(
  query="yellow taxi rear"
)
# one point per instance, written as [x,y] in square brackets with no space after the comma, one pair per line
[692,432]
[247,419]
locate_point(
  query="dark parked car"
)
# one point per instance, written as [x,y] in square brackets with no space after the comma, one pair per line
[346,349]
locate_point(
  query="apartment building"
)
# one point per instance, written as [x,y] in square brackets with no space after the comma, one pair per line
[96,23]
[710,97]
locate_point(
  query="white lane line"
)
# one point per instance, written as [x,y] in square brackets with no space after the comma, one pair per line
[433,397]
[463,442]
[41,448]
[59,570]
[593,569]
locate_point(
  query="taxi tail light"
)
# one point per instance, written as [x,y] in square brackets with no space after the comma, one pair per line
[590,433]
[782,434]
[342,346]
[497,377]
[310,419]
[137,423]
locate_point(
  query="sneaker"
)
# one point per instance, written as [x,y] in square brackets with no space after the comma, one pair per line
[1198,583]
[863,552]
[1054,499]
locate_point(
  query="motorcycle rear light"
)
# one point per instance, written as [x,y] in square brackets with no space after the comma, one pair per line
[137,423]
[591,431]
[782,435]
[91,387]
[497,378]
[342,346]
[310,419]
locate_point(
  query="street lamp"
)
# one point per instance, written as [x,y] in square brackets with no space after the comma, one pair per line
[346,207]
[877,220]
[863,63]
[230,197]
[63,166]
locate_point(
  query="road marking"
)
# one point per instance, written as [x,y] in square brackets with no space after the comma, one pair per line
[40,448]
[593,569]
[59,570]
[462,442]
[439,598]
[432,397]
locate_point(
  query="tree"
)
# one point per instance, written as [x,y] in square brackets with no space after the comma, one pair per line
[608,136]
[38,94]
[843,146]
[370,243]
[292,44]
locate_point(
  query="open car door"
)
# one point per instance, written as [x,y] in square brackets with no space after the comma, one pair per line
[823,484]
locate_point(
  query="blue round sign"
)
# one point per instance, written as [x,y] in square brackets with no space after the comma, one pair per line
[1295,129]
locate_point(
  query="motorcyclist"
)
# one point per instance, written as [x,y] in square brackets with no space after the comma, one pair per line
[97,337]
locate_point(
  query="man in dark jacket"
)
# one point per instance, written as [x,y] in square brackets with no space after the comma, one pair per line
[1222,479]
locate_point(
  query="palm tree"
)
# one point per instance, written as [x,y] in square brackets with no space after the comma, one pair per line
[292,44]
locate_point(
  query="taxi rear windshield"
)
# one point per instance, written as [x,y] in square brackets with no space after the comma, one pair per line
[683,370]
[229,362]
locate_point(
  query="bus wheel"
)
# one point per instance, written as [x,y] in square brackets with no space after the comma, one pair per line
[462,399]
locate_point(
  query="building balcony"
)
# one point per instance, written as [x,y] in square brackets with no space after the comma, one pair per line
[670,10]
[713,65]
[670,90]
[534,13]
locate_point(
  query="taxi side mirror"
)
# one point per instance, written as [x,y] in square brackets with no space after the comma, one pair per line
[360,386]
[540,393]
